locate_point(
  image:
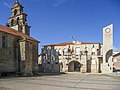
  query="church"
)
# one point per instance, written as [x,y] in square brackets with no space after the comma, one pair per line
[18,50]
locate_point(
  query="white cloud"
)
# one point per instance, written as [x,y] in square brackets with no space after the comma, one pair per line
[59,2]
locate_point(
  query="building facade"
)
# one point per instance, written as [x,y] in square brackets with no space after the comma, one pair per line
[80,56]
[72,56]
[18,51]
[116,62]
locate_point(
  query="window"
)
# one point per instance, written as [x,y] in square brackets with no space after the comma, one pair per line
[18,20]
[86,50]
[4,41]
[12,22]
[65,51]
[60,51]
[98,51]
[21,10]
[56,52]
[69,49]
[93,50]
[15,12]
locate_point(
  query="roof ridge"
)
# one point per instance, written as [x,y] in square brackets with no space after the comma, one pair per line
[16,33]
[68,43]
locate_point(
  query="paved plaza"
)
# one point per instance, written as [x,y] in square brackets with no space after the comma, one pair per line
[70,81]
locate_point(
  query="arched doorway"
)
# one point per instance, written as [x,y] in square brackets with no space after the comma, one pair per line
[74,66]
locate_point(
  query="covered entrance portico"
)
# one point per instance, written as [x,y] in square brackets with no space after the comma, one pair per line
[74,66]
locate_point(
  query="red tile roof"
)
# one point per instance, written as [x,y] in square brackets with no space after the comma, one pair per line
[16,33]
[116,54]
[69,43]
[61,44]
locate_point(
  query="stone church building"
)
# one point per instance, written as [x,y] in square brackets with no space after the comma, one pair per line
[18,50]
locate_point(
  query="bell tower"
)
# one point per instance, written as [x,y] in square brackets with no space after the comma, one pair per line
[18,20]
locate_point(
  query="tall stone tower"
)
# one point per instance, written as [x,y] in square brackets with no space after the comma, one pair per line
[107,49]
[26,48]
[18,20]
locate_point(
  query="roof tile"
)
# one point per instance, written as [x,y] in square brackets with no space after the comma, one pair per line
[69,43]
[16,33]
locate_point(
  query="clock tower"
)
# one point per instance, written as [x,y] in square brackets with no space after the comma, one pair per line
[18,20]
[107,49]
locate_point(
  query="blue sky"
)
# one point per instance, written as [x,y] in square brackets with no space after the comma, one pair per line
[56,21]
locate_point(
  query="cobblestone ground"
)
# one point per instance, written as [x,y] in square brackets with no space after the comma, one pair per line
[70,81]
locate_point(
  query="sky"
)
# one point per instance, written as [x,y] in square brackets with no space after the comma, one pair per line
[57,21]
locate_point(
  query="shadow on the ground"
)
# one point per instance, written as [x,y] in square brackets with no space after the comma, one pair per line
[35,75]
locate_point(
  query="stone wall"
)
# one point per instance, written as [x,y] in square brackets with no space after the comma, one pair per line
[8,55]
[35,57]
[29,57]
[87,63]
[116,62]
[51,68]
[20,55]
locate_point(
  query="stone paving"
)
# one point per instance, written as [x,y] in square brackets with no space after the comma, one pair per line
[70,81]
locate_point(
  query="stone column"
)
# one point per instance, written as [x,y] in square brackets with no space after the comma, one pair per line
[84,63]
[94,64]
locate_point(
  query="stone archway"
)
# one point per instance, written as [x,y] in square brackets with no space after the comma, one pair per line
[74,66]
